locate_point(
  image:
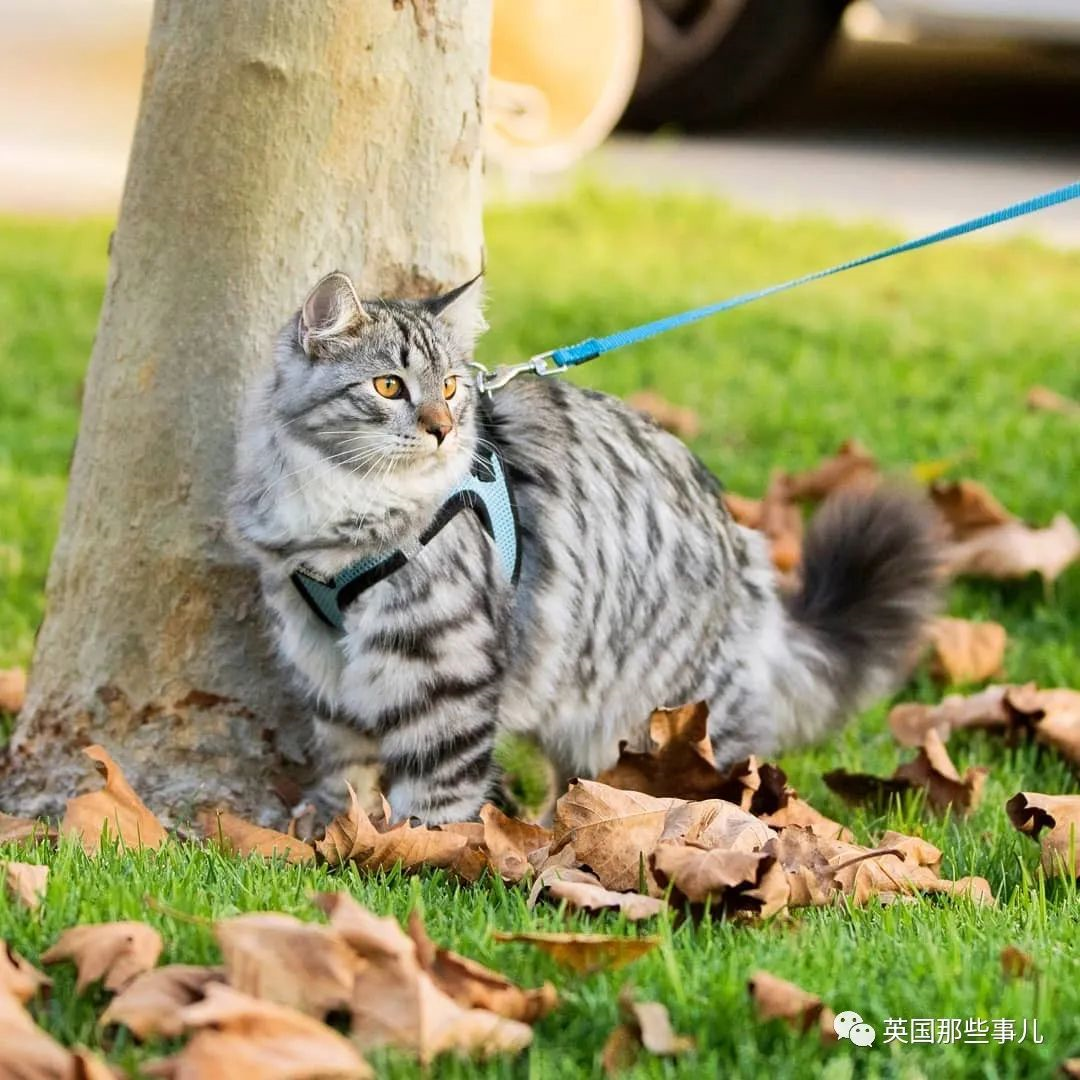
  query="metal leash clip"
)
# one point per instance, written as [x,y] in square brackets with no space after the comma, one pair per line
[486,380]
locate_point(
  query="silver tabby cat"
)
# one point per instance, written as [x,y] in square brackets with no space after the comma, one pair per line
[636,588]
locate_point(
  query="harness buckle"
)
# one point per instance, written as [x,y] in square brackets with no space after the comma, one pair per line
[487,380]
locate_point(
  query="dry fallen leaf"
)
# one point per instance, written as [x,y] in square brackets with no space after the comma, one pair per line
[12,689]
[1043,399]
[1016,550]
[851,467]
[354,837]
[116,952]
[734,881]
[966,507]
[397,1002]
[678,419]
[821,871]
[1052,716]
[237,1035]
[987,541]
[1031,812]
[26,882]
[151,1003]
[611,831]
[911,722]
[680,762]
[777,999]
[18,977]
[474,986]
[646,1025]
[965,651]
[1016,964]
[932,771]
[245,838]
[17,828]
[510,843]
[28,1053]
[586,953]
[276,957]
[115,808]
[582,890]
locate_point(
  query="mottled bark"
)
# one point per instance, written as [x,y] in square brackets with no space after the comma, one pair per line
[276,141]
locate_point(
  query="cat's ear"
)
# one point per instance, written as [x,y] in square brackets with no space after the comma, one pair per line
[331,311]
[461,309]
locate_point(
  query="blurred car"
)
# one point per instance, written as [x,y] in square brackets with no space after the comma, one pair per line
[711,62]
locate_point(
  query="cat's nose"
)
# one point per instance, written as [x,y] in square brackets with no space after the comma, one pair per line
[435,420]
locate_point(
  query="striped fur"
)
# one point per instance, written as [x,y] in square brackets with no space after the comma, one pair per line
[636,590]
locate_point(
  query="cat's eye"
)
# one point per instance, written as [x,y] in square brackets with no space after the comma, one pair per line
[449,387]
[389,386]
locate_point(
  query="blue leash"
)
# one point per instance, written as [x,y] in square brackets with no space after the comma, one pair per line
[572,355]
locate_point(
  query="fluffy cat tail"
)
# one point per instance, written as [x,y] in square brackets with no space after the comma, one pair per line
[870,583]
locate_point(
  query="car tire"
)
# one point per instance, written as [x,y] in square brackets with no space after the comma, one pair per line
[710,63]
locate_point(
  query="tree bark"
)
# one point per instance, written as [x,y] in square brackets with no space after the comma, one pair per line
[276,141]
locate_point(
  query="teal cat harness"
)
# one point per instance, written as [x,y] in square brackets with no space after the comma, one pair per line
[485,491]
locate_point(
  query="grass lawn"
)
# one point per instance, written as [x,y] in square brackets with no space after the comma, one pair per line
[924,358]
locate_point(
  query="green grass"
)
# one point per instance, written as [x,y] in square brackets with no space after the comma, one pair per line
[923,358]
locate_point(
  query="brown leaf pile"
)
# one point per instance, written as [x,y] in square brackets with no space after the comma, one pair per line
[262,1013]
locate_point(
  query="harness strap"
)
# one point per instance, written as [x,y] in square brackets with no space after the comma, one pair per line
[485,491]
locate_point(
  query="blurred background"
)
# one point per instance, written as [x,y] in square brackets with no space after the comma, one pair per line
[917,112]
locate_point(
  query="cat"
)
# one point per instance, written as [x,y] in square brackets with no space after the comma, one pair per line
[634,587]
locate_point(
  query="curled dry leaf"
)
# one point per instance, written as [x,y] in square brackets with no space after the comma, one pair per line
[116,952]
[586,953]
[1053,716]
[735,881]
[28,1053]
[246,838]
[12,689]
[26,882]
[965,651]
[474,986]
[988,541]
[852,467]
[353,837]
[151,1003]
[646,1025]
[1032,812]
[911,722]
[678,419]
[680,762]
[237,1035]
[116,809]
[397,1002]
[511,843]
[582,890]
[279,958]
[932,771]
[18,977]
[777,999]
[1016,550]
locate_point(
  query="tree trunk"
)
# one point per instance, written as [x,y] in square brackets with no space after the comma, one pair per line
[276,141]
